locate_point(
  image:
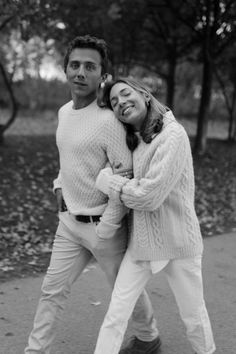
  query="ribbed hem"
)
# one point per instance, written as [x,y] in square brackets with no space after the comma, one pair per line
[155,254]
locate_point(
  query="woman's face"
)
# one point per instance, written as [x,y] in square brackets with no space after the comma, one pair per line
[129,105]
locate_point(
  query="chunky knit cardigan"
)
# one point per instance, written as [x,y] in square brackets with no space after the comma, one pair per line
[164,224]
[87,139]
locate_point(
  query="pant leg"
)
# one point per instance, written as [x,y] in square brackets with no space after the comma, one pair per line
[130,282]
[109,254]
[185,279]
[67,262]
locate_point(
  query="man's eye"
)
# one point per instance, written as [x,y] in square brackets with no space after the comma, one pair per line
[90,67]
[74,65]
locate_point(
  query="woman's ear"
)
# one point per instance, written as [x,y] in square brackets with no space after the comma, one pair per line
[147,99]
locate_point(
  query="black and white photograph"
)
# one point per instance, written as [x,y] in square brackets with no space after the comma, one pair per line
[118,176]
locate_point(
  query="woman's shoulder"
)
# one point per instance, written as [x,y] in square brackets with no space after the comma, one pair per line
[171,130]
[171,123]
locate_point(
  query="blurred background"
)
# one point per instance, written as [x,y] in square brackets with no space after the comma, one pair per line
[184,50]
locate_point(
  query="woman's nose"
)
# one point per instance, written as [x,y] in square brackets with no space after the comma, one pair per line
[121,102]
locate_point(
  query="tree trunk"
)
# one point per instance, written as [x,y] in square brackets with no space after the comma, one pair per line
[14,109]
[172,63]
[229,103]
[207,77]
[203,113]
[232,119]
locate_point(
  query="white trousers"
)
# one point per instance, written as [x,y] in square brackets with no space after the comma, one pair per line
[75,244]
[185,279]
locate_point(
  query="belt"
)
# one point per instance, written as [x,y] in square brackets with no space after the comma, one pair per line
[87,218]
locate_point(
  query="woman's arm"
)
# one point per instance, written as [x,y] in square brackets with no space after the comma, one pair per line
[165,168]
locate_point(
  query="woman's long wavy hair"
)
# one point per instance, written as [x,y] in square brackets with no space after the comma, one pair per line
[153,122]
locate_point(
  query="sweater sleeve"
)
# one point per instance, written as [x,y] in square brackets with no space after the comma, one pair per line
[111,219]
[114,141]
[166,166]
[114,212]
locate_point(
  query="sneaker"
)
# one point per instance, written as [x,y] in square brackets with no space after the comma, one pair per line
[137,346]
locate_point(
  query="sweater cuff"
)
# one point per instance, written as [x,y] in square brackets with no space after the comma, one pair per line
[115,187]
[103,180]
[106,230]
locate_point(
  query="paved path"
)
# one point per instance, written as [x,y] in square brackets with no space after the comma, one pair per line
[87,305]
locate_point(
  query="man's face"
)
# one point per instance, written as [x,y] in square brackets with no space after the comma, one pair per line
[83,72]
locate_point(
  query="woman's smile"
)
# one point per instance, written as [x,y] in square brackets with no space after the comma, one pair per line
[127,110]
[128,105]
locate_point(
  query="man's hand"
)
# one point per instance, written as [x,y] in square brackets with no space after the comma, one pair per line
[60,201]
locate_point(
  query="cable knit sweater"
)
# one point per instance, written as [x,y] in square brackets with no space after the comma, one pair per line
[87,139]
[164,223]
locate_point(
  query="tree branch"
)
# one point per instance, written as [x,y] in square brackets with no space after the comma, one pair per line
[6,21]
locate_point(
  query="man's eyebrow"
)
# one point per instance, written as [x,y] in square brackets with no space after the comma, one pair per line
[83,62]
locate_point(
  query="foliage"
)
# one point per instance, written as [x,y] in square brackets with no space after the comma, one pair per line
[38,94]
[158,34]
[212,23]
[226,76]
[22,16]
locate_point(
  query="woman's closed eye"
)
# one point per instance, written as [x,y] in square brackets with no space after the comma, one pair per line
[125,93]
[114,103]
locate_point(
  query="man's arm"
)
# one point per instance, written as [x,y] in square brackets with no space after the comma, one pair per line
[114,141]
[120,160]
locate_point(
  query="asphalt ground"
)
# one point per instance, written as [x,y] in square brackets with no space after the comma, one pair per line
[86,307]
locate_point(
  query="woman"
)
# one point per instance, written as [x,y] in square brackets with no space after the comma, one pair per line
[165,232]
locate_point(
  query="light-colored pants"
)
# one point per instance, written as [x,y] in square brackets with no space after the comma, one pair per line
[75,244]
[185,279]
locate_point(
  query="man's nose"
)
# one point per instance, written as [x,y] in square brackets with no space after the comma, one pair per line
[80,71]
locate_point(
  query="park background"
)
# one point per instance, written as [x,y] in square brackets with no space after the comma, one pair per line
[183,50]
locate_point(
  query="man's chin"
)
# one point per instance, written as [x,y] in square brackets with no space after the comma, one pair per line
[81,91]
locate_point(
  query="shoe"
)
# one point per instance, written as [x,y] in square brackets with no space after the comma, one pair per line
[137,346]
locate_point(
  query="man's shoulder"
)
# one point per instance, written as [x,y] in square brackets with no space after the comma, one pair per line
[106,113]
[67,106]
[108,118]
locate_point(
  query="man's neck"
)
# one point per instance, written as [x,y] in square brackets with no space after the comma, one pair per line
[82,102]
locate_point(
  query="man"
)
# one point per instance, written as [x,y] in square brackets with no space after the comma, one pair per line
[87,138]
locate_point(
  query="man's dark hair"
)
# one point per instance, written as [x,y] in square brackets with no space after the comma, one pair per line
[88,42]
